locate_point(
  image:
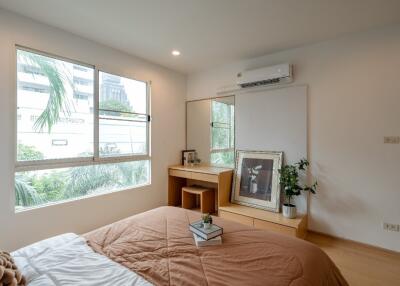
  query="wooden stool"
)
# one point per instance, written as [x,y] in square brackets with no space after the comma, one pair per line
[207,198]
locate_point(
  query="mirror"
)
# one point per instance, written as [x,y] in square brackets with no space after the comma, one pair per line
[210,130]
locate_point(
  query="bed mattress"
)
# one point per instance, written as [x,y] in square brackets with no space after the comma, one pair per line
[158,246]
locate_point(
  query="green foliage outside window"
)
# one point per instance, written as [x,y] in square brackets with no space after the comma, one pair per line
[35,188]
[222,134]
[50,187]
[113,105]
[25,153]
[223,158]
[25,194]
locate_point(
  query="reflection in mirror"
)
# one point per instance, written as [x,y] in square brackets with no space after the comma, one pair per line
[198,128]
[210,130]
[222,131]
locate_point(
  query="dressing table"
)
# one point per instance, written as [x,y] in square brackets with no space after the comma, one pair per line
[219,179]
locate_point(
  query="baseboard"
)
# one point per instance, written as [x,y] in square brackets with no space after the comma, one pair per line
[358,243]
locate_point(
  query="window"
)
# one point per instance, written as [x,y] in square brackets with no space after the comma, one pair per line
[81,81]
[50,112]
[80,68]
[124,118]
[69,148]
[83,96]
[34,88]
[33,70]
[222,132]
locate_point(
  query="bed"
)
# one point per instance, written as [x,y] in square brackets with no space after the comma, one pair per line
[156,247]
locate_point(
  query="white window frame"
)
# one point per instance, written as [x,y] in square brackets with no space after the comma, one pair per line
[34,165]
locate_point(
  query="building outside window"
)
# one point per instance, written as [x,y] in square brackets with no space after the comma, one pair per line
[124,124]
[68,148]
[81,95]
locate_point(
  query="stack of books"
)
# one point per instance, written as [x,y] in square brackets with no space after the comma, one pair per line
[206,236]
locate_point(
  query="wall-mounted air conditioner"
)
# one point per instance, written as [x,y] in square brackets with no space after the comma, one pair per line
[265,76]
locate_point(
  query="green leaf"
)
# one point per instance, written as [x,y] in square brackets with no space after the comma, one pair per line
[58,101]
[25,194]
[289,179]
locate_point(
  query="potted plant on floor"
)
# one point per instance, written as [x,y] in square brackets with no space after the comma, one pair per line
[289,181]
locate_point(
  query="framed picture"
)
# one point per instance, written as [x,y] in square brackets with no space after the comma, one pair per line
[256,181]
[187,156]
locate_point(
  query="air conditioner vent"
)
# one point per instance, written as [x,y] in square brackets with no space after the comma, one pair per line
[260,83]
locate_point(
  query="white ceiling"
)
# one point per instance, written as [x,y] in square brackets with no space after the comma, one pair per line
[208,32]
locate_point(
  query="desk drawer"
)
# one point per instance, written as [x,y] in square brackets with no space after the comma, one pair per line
[179,173]
[262,224]
[236,217]
[205,177]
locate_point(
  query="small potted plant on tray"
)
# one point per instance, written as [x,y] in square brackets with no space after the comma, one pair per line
[207,220]
[289,180]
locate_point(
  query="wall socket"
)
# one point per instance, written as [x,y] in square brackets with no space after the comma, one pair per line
[391,227]
[391,139]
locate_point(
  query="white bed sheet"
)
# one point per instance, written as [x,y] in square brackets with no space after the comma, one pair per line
[67,260]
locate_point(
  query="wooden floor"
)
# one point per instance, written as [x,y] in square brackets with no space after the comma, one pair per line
[360,264]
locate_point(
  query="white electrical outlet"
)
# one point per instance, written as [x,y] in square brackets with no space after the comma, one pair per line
[391,226]
[391,140]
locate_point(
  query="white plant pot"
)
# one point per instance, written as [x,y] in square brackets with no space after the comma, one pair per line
[289,211]
[206,225]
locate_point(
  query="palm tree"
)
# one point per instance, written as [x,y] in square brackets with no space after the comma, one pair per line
[58,101]
[97,178]
[86,179]
[25,194]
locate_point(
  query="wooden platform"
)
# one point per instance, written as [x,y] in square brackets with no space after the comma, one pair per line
[265,220]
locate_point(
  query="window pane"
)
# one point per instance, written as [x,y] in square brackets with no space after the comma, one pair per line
[35,188]
[55,108]
[220,138]
[225,159]
[123,122]
[220,112]
[122,137]
[222,130]
[122,94]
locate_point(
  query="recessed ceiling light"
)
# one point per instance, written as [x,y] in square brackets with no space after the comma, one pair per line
[176,53]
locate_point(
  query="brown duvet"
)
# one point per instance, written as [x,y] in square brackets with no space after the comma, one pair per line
[158,246]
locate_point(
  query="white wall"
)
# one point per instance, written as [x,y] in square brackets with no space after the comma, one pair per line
[168,134]
[353,101]
[274,120]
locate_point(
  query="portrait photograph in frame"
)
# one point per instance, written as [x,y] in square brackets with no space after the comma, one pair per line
[256,181]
